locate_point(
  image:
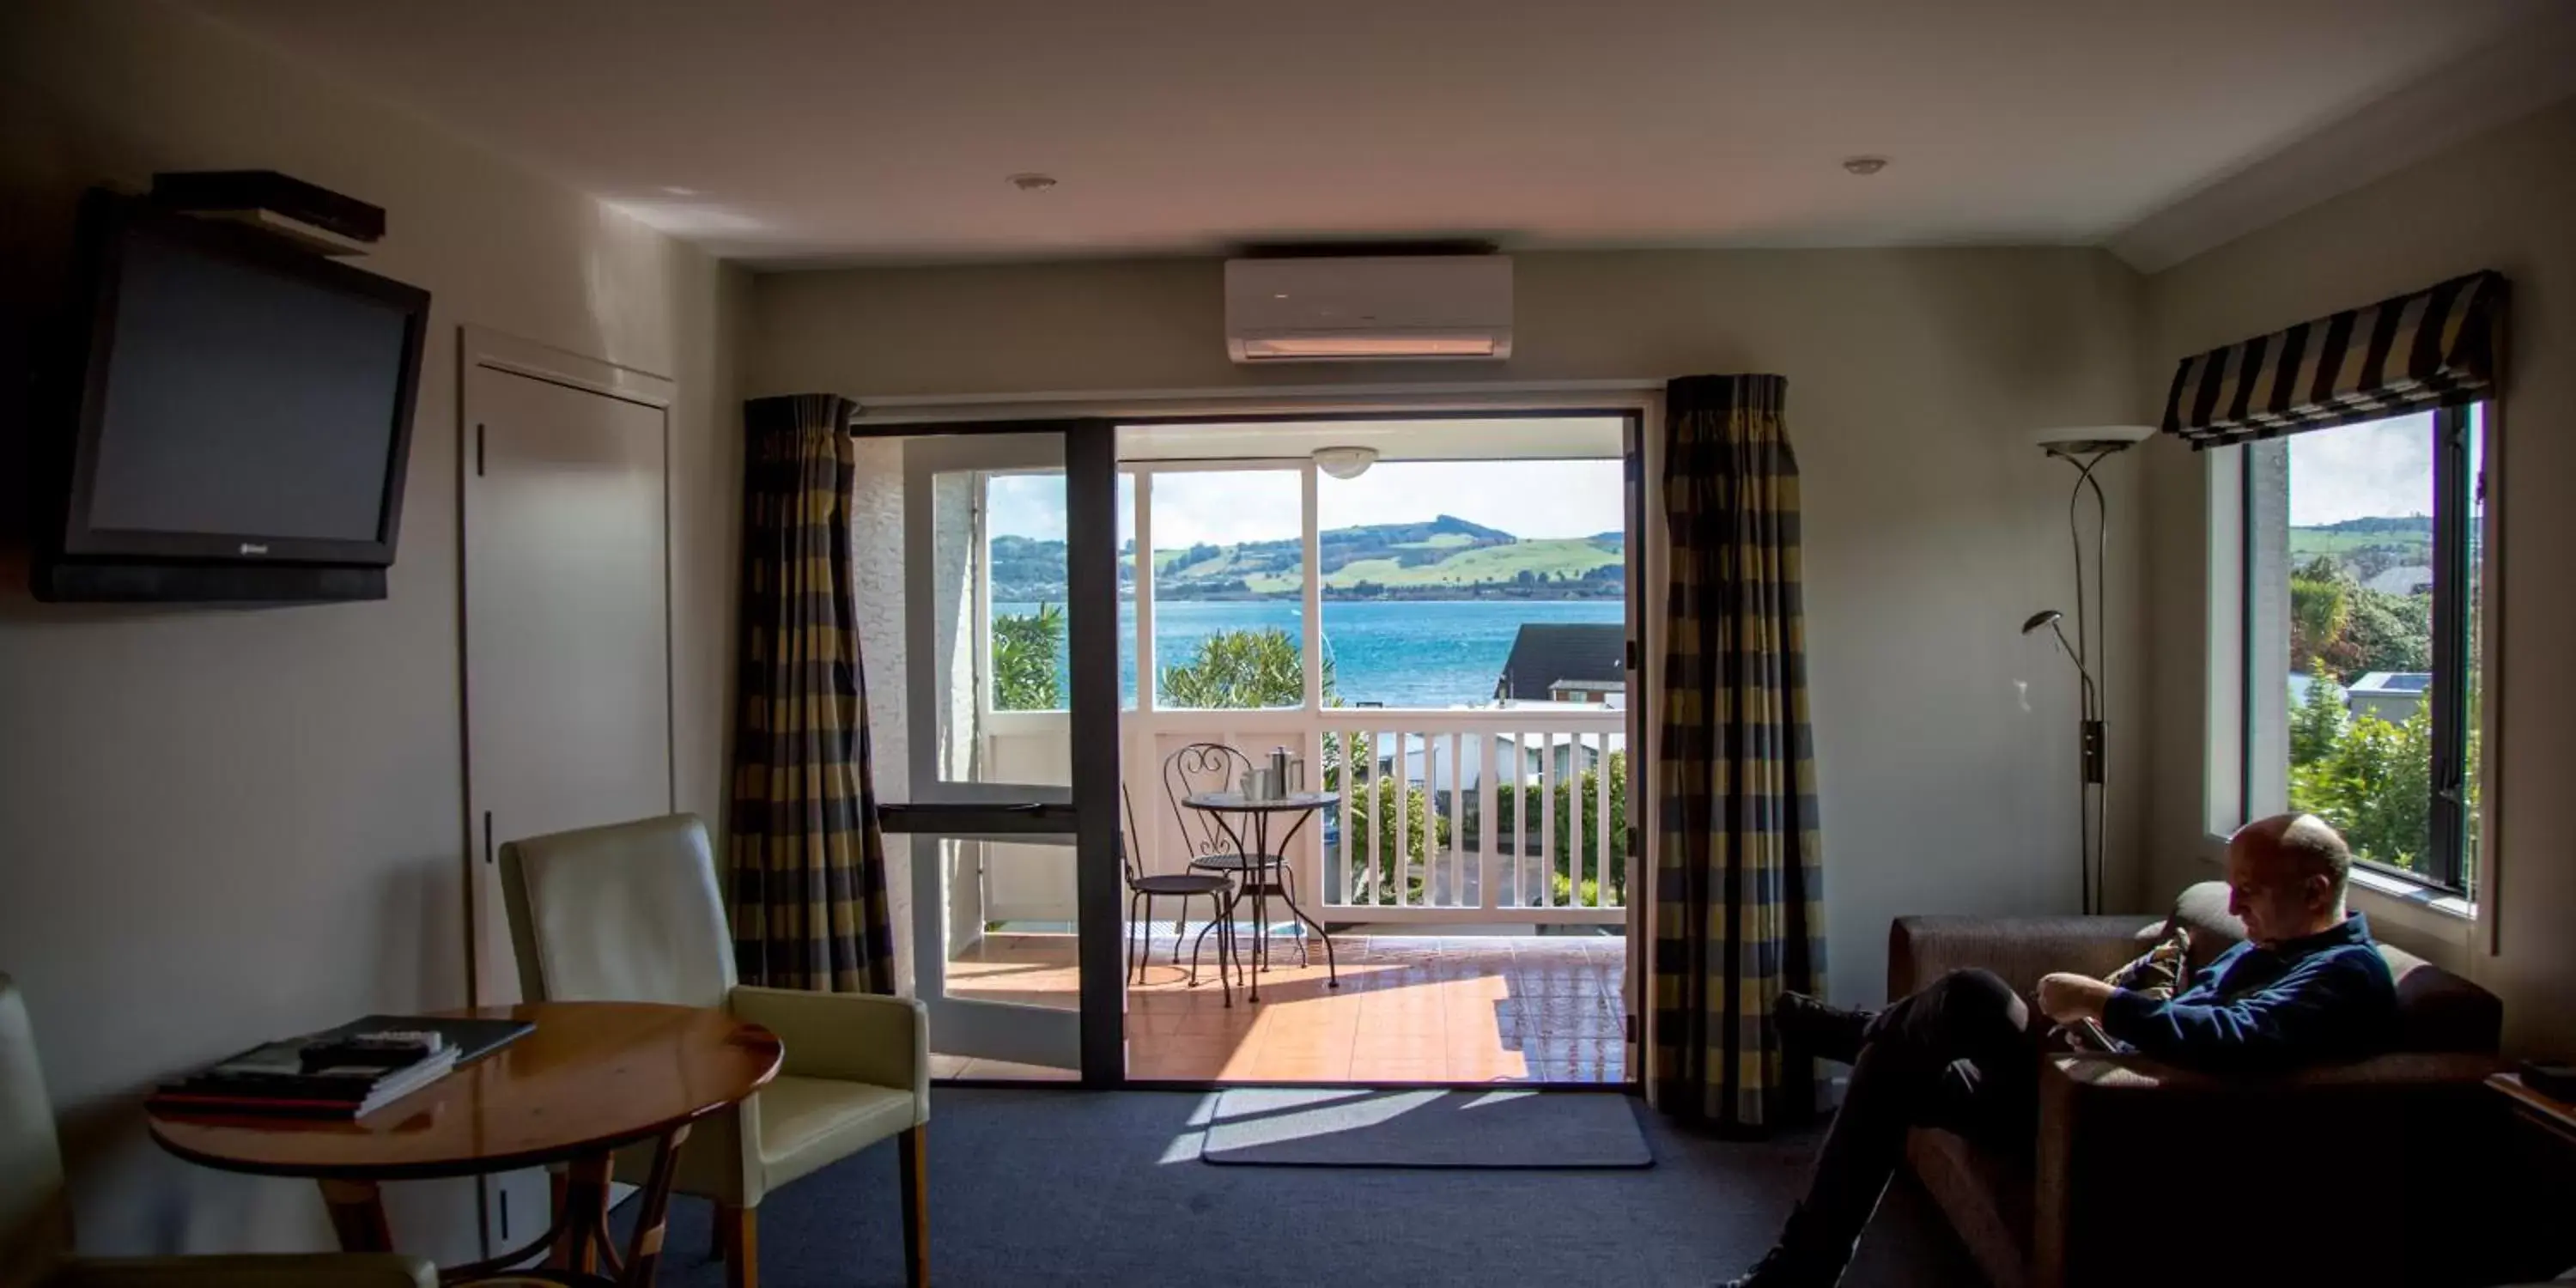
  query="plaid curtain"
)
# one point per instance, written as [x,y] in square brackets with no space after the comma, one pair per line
[1738,914]
[808,864]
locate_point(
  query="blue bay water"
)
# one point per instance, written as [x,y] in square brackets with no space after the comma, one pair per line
[1400,654]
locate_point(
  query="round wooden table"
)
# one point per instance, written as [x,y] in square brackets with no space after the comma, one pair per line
[594,1077]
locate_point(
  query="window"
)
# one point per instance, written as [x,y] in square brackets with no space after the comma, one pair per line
[1228,586]
[1021,523]
[2363,551]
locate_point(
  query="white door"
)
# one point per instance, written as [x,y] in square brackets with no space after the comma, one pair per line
[567,626]
[567,651]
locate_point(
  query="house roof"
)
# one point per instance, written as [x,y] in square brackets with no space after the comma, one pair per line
[1544,653]
[2407,579]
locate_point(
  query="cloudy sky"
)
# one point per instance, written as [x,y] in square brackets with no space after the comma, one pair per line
[2379,470]
[1524,498]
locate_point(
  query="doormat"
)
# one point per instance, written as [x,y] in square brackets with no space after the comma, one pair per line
[1362,1127]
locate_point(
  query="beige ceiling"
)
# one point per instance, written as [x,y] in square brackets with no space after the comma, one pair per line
[821,131]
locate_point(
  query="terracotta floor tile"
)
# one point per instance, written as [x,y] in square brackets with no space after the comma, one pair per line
[1409,1008]
[1209,1022]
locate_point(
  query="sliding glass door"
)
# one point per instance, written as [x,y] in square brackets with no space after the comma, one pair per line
[987,581]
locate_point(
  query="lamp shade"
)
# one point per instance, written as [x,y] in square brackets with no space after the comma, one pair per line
[2089,440]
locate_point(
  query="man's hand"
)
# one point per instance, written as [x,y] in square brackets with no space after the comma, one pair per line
[2069,998]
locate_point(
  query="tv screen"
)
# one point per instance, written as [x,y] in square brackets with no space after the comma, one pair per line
[244,399]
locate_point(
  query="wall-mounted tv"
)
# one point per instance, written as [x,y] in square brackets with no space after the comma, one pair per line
[239,401]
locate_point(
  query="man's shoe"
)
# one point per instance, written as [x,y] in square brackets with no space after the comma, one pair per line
[1819,1029]
[1782,1268]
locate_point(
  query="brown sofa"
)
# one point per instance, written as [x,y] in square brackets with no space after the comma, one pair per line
[2149,1175]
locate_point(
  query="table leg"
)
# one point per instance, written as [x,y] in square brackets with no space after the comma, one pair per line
[1332,970]
[644,1248]
[583,1224]
[1260,901]
[358,1215]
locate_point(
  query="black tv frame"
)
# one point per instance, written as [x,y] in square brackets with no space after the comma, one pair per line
[108,220]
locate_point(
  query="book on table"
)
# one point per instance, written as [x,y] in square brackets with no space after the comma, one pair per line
[344,1072]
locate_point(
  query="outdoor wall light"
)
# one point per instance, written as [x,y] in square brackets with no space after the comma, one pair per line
[1345,462]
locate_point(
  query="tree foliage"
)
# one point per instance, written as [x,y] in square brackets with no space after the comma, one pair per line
[1576,829]
[2344,629]
[2375,784]
[2320,609]
[1026,650]
[2390,632]
[1375,802]
[1243,670]
[2318,722]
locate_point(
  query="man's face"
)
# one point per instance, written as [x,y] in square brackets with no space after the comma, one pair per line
[2266,892]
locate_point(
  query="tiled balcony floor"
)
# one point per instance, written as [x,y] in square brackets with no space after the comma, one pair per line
[1411,1008]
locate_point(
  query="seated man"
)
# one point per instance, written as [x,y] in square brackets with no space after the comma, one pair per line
[2307,985]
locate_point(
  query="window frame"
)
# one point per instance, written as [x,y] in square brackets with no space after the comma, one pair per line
[2262,713]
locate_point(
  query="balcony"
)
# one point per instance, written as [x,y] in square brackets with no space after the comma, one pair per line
[1511,816]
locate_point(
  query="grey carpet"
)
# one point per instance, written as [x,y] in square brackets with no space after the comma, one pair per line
[1080,1188]
[1362,1127]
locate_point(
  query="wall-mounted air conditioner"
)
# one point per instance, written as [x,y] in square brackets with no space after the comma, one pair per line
[1369,309]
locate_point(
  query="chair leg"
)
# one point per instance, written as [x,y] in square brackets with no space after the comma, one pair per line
[738,1241]
[1133,972]
[910,1150]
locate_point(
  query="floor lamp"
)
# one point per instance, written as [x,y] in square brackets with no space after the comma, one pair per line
[2085,448]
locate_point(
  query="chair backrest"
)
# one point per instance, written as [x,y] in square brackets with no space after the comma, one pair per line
[1202,767]
[35,1218]
[2436,1010]
[625,913]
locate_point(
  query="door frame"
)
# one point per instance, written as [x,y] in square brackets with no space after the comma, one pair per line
[1640,402]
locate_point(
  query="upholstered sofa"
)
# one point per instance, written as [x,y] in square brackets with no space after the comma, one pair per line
[2149,1175]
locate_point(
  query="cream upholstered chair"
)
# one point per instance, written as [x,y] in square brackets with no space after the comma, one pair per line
[631,913]
[35,1219]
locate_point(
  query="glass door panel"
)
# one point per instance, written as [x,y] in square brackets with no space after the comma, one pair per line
[978,628]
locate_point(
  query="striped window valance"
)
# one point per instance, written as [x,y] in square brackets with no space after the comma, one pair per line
[2433,348]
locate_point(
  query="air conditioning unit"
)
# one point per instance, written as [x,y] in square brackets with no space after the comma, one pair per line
[1405,308]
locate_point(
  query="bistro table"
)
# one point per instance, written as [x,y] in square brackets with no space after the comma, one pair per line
[592,1078]
[1263,869]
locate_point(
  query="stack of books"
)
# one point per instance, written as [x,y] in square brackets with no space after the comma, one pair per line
[346,1072]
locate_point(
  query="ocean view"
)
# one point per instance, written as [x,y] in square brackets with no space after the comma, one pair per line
[1435,653]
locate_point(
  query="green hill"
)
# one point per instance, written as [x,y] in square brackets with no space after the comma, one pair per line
[2412,535]
[1446,558]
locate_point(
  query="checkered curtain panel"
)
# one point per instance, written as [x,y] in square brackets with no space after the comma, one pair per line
[1738,912]
[808,863]
[2434,348]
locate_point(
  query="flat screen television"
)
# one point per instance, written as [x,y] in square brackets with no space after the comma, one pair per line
[238,400]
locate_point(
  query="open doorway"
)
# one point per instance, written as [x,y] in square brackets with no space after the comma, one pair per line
[1435,634]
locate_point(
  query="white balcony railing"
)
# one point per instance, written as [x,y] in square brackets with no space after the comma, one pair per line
[1511,815]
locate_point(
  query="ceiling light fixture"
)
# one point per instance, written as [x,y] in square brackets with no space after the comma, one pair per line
[1345,462]
[1032,182]
[1865,165]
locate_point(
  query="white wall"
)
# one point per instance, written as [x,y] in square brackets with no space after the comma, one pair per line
[223,826]
[2506,201]
[1917,378]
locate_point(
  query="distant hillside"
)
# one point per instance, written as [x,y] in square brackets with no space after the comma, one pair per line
[1447,558]
[2368,546]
